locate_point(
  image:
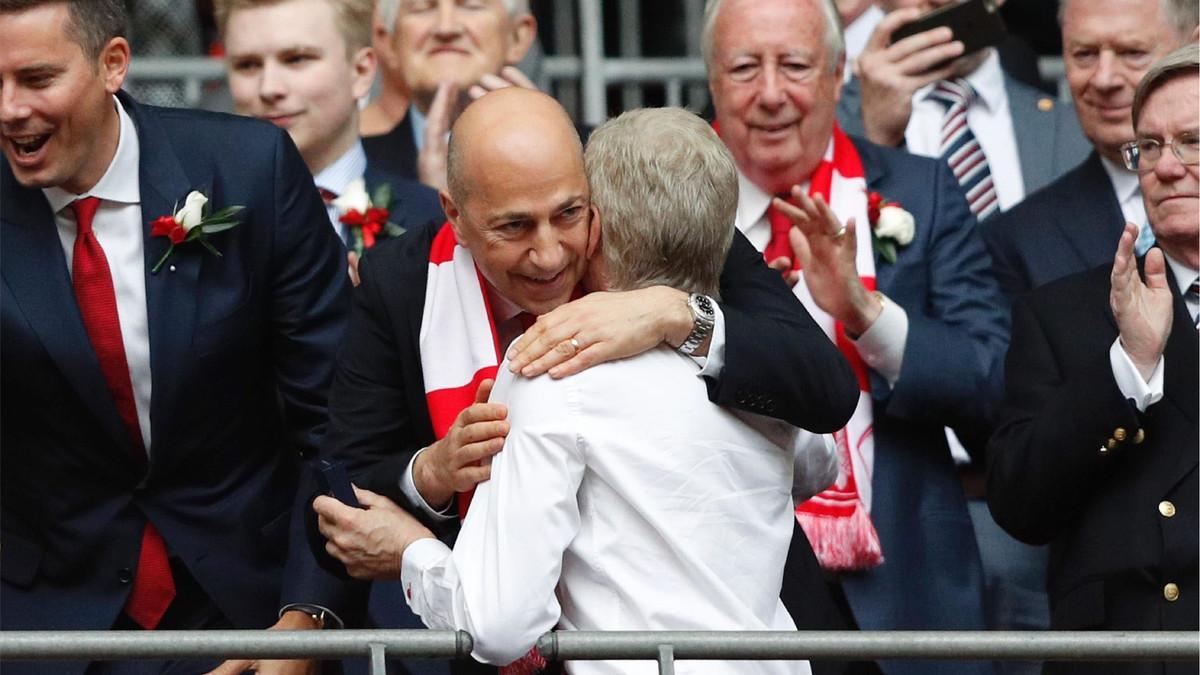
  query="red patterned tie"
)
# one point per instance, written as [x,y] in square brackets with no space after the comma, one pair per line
[153,586]
[327,195]
[779,246]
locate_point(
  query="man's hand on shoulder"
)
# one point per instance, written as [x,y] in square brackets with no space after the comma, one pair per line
[890,73]
[292,620]
[1143,310]
[605,326]
[369,541]
[454,463]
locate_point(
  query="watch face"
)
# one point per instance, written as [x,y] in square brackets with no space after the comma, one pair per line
[704,303]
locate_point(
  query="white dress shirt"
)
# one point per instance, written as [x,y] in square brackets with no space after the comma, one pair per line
[337,177]
[1146,393]
[1128,191]
[990,120]
[623,500]
[882,345]
[118,225]
[857,34]
[504,313]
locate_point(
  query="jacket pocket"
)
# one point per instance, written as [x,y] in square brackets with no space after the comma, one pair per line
[1080,607]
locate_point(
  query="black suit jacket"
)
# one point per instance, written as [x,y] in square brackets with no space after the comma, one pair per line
[1114,543]
[1069,226]
[241,352]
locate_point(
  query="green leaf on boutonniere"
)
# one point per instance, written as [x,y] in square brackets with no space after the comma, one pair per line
[392,229]
[382,197]
[884,247]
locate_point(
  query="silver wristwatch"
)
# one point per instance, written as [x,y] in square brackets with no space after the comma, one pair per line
[703,318]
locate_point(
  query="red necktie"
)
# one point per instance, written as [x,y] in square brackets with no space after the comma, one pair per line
[153,586]
[779,246]
[327,195]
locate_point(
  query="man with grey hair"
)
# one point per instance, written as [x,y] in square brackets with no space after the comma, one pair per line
[1073,224]
[445,53]
[1096,451]
[892,268]
[653,508]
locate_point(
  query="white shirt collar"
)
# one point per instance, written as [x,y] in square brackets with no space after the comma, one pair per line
[987,80]
[1125,182]
[1184,275]
[345,169]
[752,203]
[120,181]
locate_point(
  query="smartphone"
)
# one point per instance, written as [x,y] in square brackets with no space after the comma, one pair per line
[975,23]
[332,479]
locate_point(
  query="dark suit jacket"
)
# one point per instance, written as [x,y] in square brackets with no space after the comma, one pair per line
[1113,546]
[241,351]
[413,204]
[1049,140]
[931,577]
[1069,226]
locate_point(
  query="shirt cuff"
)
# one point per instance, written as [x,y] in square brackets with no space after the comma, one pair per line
[1143,394]
[331,620]
[881,346]
[409,489]
[711,365]
[420,556]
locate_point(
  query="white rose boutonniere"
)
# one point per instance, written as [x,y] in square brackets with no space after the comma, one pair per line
[366,215]
[891,225]
[191,223]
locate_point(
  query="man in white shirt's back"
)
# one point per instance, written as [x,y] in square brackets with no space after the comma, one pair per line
[624,499]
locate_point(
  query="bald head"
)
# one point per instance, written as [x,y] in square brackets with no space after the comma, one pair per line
[505,130]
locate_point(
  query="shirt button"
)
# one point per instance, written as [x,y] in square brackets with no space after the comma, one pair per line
[1119,433]
[1171,592]
[125,575]
[1111,444]
[1167,509]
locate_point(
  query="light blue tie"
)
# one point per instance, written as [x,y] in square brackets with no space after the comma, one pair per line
[1145,240]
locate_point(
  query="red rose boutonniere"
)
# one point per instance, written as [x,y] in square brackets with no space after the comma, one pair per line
[192,223]
[366,215]
[891,225]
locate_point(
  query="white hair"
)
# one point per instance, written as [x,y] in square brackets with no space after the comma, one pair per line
[388,10]
[835,44]
[1182,15]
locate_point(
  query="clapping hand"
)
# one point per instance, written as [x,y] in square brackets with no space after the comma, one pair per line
[1143,310]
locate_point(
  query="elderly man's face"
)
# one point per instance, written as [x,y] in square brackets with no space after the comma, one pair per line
[1171,191]
[528,222]
[773,88]
[1108,45]
[57,122]
[457,41]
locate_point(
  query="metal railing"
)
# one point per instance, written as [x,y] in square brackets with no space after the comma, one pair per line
[663,647]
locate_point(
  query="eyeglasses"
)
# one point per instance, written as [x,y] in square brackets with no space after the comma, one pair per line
[1143,154]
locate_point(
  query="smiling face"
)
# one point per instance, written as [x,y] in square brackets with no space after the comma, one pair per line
[773,88]
[1171,190]
[58,124]
[1108,45]
[288,63]
[457,41]
[523,206]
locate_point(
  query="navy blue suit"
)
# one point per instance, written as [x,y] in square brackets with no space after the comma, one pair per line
[931,577]
[413,204]
[241,351]
[1070,226]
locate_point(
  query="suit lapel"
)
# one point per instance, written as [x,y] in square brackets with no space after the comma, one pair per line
[1033,139]
[35,270]
[171,294]
[398,213]
[876,171]
[1180,360]
[1090,219]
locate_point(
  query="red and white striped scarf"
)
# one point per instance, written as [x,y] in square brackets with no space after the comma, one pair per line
[458,342]
[838,521]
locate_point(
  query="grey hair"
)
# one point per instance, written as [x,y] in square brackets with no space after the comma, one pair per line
[1182,15]
[835,43]
[1181,62]
[667,191]
[387,11]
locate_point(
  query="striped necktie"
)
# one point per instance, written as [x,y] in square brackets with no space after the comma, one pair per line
[1192,298]
[961,149]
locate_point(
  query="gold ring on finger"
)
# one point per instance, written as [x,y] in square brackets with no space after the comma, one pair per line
[840,233]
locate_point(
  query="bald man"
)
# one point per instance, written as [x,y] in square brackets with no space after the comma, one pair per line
[408,407]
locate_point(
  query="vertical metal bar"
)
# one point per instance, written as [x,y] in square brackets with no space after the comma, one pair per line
[630,15]
[674,92]
[378,659]
[591,34]
[565,44]
[693,24]
[666,660]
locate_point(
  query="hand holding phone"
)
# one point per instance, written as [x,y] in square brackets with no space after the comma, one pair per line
[332,479]
[974,23]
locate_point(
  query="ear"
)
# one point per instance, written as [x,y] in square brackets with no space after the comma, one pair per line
[840,78]
[595,236]
[114,63]
[363,64]
[520,38]
[453,214]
